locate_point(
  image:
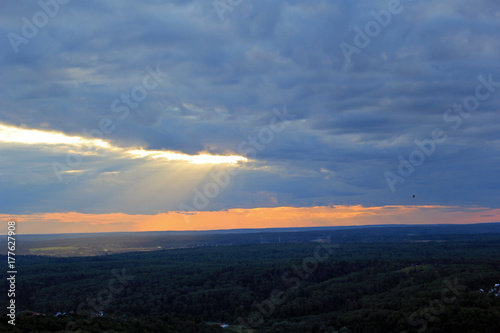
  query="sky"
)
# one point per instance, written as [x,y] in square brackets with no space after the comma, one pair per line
[196,115]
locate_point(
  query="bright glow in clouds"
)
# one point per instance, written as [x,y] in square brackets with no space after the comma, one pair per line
[279,217]
[196,159]
[10,134]
[30,136]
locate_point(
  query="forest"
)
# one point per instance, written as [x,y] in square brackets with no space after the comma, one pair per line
[436,283]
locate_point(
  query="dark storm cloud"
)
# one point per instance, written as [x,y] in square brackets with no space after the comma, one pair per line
[223,79]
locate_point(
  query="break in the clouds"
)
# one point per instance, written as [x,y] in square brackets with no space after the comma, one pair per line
[333,103]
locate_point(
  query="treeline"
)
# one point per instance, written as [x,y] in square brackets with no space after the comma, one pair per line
[167,323]
[300,287]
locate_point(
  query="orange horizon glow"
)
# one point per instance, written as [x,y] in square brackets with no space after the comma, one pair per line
[249,218]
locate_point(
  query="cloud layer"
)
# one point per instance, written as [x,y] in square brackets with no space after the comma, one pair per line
[179,76]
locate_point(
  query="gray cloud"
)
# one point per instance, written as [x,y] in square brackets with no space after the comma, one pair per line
[223,80]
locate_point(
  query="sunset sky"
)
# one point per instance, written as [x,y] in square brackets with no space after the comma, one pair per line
[196,115]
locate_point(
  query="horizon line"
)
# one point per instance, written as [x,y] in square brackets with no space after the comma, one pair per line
[259,229]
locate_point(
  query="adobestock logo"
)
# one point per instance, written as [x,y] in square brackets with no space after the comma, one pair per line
[30,28]
[120,106]
[293,278]
[248,148]
[221,6]
[372,29]
[454,116]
